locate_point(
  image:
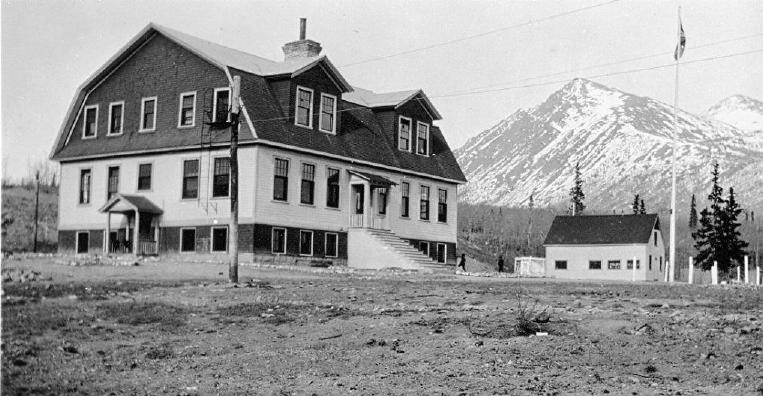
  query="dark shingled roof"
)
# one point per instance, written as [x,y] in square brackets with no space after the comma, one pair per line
[139,202]
[602,230]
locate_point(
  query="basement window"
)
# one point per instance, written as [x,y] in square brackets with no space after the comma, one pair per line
[332,244]
[187,240]
[219,239]
[305,243]
[278,240]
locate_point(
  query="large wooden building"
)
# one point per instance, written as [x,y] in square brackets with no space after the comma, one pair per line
[327,171]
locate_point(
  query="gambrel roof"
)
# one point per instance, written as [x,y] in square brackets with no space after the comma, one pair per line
[360,137]
[602,229]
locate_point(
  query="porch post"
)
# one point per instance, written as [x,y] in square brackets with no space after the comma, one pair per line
[136,232]
[369,213]
[108,233]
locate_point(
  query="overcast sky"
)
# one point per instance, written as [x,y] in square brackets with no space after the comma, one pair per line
[50,47]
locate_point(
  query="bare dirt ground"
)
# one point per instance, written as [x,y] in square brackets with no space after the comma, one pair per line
[175,328]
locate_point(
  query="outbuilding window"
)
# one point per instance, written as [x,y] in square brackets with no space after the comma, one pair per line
[594,265]
[613,264]
[560,264]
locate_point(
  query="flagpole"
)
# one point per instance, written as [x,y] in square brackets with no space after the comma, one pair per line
[671,269]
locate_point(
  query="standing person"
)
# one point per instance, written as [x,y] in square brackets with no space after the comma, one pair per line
[462,262]
[500,263]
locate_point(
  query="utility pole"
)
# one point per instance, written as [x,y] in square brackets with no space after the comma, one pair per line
[235,93]
[36,207]
[672,252]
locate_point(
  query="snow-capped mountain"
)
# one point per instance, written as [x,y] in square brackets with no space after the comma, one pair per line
[623,144]
[740,111]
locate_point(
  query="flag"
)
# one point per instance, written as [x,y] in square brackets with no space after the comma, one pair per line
[681,41]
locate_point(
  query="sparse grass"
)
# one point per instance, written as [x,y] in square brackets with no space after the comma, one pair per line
[144,313]
[529,317]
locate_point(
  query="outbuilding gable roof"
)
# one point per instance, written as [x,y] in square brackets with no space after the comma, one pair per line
[602,229]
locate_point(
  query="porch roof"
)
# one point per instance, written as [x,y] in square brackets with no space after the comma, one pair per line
[121,203]
[374,180]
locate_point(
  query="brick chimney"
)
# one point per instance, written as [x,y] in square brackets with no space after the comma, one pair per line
[302,48]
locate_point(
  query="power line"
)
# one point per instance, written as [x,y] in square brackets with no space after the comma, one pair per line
[487,33]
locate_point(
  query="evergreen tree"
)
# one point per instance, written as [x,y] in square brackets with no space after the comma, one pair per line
[576,194]
[705,240]
[642,210]
[634,205]
[693,213]
[733,245]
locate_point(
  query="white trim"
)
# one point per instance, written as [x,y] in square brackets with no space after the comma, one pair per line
[183,160]
[288,176]
[180,242]
[212,172]
[89,189]
[109,132]
[285,234]
[214,103]
[212,239]
[143,112]
[329,168]
[76,242]
[301,179]
[333,118]
[445,254]
[296,107]
[180,110]
[418,124]
[421,243]
[326,244]
[408,206]
[108,177]
[84,122]
[410,133]
[438,205]
[151,177]
[312,240]
[429,202]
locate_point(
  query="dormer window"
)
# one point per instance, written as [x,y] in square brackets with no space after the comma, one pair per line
[404,134]
[116,118]
[90,125]
[303,115]
[221,106]
[422,133]
[328,113]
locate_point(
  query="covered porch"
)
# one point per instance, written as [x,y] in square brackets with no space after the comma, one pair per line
[369,200]
[137,231]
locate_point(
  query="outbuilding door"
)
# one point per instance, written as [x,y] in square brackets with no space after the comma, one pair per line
[83,241]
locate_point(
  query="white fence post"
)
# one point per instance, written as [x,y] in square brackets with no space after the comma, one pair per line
[667,265]
[691,270]
[714,273]
[746,269]
[757,276]
[739,274]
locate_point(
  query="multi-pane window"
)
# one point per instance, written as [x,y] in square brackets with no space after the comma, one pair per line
[90,126]
[424,203]
[422,135]
[190,179]
[560,264]
[221,105]
[405,189]
[148,114]
[220,239]
[328,113]
[629,264]
[144,177]
[305,243]
[187,115]
[304,110]
[278,240]
[613,264]
[308,184]
[85,182]
[116,117]
[187,239]
[332,188]
[442,205]
[594,265]
[221,183]
[113,181]
[281,180]
[404,134]
[382,200]
[332,244]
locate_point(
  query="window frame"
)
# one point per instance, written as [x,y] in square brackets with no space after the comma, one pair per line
[212,239]
[333,117]
[445,254]
[421,202]
[214,103]
[310,110]
[150,177]
[399,134]
[142,127]
[214,175]
[108,180]
[611,263]
[272,239]
[302,181]
[89,187]
[558,266]
[84,122]
[180,110]
[419,124]
[405,199]
[382,201]
[183,177]
[445,205]
[326,244]
[338,187]
[109,132]
[312,243]
[629,265]
[286,179]
[180,247]
[591,267]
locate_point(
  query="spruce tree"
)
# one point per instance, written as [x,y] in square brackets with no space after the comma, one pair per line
[634,205]
[733,245]
[693,213]
[705,240]
[642,210]
[576,194]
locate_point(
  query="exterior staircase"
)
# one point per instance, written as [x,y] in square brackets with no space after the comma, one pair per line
[375,248]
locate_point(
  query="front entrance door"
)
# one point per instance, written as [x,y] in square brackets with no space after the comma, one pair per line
[83,241]
[441,252]
[358,198]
